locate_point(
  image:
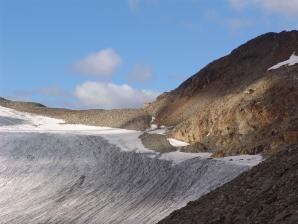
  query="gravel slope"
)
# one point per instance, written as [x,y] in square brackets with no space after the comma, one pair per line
[267,193]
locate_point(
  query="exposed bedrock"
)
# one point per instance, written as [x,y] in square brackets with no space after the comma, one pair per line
[235,105]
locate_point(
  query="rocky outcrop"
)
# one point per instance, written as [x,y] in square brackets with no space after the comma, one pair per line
[236,105]
[265,194]
[156,142]
[135,119]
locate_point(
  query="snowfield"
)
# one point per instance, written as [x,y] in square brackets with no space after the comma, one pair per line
[290,62]
[52,172]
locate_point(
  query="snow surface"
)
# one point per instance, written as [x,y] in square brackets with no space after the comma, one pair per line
[291,61]
[160,131]
[179,157]
[52,172]
[177,143]
[249,160]
[154,129]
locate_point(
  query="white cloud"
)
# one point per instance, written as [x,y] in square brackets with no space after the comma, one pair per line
[286,7]
[140,74]
[109,95]
[102,63]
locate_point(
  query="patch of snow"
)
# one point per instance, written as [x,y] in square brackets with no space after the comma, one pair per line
[160,131]
[127,140]
[248,160]
[178,157]
[154,129]
[291,61]
[177,143]
[240,160]
[153,126]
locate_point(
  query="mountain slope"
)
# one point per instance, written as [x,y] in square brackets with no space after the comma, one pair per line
[235,104]
[265,194]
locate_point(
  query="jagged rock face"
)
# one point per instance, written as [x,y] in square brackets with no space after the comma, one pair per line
[235,104]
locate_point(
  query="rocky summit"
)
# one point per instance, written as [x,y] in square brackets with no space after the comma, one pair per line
[243,103]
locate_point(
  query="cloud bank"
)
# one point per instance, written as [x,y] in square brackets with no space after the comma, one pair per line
[111,96]
[101,64]
[285,7]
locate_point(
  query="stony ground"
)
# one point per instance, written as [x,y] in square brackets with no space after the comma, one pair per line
[267,193]
[156,142]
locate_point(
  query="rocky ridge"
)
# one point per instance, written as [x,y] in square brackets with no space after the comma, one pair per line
[135,119]
[235,105]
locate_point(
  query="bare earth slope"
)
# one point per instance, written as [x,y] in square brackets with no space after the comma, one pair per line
[236,105]
[267,193]
[135,119]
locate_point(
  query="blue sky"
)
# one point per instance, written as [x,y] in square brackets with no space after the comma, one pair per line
[121,53]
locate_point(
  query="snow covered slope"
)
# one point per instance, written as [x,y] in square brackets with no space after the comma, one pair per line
[52,172]
[290,62]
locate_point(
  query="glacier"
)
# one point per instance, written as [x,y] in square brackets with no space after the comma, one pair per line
[51,172]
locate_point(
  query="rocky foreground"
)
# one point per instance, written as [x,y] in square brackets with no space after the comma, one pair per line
[265,194]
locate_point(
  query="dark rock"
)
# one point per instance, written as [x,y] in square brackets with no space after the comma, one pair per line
[267,193]
[157,142]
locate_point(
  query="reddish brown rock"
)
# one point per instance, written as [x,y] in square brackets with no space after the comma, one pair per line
[235,105]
